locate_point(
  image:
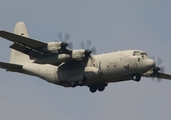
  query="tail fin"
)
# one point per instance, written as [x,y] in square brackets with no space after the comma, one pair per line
[16,56]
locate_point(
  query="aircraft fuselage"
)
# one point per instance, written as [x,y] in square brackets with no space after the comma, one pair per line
[104,68]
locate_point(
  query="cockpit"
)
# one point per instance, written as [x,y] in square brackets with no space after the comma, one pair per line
[140,53]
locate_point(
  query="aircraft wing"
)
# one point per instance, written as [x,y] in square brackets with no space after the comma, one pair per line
[21,39]
[163,76]
[10,66]
[25,45]
[32,47]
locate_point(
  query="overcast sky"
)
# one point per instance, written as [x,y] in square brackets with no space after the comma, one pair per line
[112,25]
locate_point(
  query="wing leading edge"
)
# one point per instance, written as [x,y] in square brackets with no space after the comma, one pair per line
[34,48]
[21,39]
[40,50]
[25,45]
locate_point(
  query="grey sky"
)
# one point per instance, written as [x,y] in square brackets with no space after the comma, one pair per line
[112,25]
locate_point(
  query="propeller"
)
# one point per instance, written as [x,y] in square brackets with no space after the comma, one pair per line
[156,69]
[87,48]
[88,51]
[64,38]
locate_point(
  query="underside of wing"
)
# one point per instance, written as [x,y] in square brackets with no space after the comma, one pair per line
[11,67]
[34,48]
[22,40]
[27,50]
[25,45]
[162,76]
[53,53]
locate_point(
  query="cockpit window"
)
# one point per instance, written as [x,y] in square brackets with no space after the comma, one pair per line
[136,53]
[139,53]
[143,53]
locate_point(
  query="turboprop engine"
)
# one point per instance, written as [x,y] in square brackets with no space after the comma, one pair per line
[55,46]
[78,54]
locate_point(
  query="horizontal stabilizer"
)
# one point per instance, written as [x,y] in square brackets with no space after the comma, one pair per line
[11,67]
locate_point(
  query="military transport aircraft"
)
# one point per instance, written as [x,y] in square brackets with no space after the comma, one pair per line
[60,65]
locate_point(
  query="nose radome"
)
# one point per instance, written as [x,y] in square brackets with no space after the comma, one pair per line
[148,63]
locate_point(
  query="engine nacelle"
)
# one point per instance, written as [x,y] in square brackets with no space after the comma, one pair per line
[78,54]
[53,47]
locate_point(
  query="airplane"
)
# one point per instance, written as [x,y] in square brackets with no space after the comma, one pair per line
[56,63]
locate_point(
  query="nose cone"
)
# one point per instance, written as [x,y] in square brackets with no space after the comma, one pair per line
[148,64]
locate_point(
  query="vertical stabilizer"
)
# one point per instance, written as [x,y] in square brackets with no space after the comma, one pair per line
[16,56]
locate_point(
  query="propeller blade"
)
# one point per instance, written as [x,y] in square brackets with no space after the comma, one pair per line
[157,68]
[82,45]
[87,49]
[152,78]
[60,36]
[66,37]
[158,80]
[93,50]
[64,40]
[159,61]
[70,45]
[89,42]
[162,69]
